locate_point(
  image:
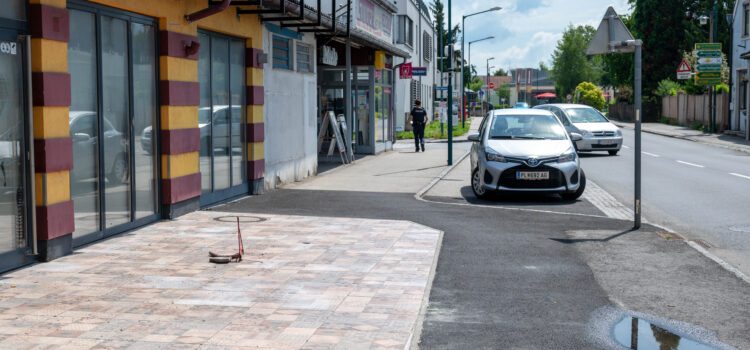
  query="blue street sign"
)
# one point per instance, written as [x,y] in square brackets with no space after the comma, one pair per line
[441,88]
[481,93]
[419,71]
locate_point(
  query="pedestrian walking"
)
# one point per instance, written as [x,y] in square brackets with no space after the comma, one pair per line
[418,119]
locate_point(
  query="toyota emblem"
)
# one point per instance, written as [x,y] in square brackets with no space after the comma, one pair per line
[532,162]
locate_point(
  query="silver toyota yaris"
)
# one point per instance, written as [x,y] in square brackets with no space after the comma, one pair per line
[525,150]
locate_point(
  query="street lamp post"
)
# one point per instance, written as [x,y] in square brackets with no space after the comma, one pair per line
[463,35]
[486,82]
[450,89]
[462,65]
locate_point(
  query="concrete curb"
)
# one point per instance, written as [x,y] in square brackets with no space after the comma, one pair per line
[680,137]
[434,181]
[416,334]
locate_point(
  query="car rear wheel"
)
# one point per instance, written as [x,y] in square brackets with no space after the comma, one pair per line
[613,152]
[120,172]
[476,185]
[571,196]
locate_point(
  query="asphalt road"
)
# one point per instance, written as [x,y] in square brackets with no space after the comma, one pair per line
[700,191]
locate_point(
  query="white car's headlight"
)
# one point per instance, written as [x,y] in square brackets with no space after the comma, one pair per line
[586,133]
[494,157]
[569,156]
[618,132]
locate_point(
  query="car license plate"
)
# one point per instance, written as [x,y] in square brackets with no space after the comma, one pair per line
[606,142]
[532,175]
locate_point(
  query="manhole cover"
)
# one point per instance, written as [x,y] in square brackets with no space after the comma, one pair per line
[243,218]
[740,229]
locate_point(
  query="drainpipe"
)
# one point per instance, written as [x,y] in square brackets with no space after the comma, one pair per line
[207,12]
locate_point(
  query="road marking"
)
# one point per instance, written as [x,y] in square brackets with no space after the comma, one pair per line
[691,164]
[625,147]
[740,175]
[651,154]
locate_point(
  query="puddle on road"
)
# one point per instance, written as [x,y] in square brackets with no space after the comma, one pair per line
[635,333]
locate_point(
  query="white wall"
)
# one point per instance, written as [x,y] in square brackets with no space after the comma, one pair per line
[289,116]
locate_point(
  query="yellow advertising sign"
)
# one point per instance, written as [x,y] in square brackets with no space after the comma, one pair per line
[379,59]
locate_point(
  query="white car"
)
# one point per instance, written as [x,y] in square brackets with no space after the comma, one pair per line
[525,150]
[599,134]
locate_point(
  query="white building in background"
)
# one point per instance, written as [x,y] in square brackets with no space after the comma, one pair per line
[414,33]
[738,111]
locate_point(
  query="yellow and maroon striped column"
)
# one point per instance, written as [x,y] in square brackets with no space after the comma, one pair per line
[53,147]
[256,165]
[180,136]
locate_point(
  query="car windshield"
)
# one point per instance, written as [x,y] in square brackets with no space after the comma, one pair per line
[585,115]
[526,127]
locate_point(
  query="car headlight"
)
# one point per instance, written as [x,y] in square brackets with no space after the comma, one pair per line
[494,157]
[618,132]
[569,156]
[586,133]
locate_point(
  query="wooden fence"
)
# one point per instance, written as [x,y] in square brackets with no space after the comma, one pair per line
[689,110]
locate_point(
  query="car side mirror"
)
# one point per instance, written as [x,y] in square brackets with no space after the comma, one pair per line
[474,137]
[81,137]
[574,136]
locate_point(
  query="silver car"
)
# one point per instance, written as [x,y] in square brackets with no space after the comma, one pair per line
[525,150]
[599,134]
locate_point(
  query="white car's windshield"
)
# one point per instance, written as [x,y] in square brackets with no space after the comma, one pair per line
[535,127]
[585,115]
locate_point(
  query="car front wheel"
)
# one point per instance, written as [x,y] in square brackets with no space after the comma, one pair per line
[120,172]
[613,152]
[476,185]
[571,196]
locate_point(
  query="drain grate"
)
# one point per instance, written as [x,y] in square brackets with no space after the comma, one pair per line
[243,218]
[702,243]
[670,235]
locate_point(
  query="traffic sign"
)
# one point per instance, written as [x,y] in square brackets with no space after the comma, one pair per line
[684,75]
[419,71]
[708,68]
[710,60]
[708,75]
[708,46]
[708,53]
[481,93]
[491,85]
[683,67]
[441,88]
[699,81]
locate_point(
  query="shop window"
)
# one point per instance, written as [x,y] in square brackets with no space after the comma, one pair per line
[405,31]
[304,58]
[281,53]
[13,9]
[221,74]
[113,111]
[426,46]
[745,20]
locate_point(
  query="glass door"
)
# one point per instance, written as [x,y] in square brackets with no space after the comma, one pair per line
[14,232]
[112,65]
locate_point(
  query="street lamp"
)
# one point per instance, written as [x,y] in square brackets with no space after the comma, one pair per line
[463,35]
[463,84]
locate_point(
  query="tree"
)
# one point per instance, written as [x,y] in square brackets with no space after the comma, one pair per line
[503,91]
[570,64]
[500,73]
[543,67]
[476,84]
[437,8]
[588,94]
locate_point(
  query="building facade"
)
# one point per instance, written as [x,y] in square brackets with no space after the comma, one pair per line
[415,34]
[740,70]
[118,113]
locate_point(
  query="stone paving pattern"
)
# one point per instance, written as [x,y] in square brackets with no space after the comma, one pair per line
[304,283]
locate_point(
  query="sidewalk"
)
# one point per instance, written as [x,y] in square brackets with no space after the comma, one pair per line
[304,283]
[720,140]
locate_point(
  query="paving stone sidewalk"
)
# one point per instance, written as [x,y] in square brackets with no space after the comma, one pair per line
[304,283]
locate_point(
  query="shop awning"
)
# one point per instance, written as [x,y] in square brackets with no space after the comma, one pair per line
[546,95]
[367,39]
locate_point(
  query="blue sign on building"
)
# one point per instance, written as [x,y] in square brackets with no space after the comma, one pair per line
[419,71]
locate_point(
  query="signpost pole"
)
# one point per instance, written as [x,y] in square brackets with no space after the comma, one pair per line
[450,88]
[637,88]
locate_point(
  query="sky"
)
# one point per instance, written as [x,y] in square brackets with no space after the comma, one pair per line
[526,31]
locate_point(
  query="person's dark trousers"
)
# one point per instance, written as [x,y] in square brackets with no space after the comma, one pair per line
[418,129]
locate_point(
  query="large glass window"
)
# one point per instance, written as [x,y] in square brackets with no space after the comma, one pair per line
[112,63]
[221,73]
[405,30]
[383,102]
[13,9]
[13,218]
